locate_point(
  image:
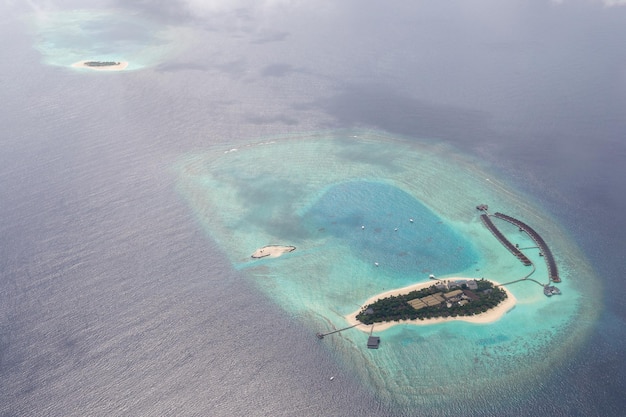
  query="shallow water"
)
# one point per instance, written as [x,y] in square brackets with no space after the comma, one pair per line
[116,298]
[342,214]
[69,36]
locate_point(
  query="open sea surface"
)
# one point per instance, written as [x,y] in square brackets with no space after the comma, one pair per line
[130,203]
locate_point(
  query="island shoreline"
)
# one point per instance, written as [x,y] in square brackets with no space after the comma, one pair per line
[488,316]
[120,66]
[272,251]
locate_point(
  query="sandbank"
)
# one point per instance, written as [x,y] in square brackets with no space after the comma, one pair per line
[119,67]
[272,251]
[488,316]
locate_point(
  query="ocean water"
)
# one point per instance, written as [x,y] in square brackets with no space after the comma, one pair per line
[130,203]
[341,212]
[64,37]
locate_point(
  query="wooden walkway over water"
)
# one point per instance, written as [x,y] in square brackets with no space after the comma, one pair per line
[553,272]
[507,244]
[322,335]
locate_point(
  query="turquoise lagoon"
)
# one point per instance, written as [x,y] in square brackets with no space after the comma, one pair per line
[345,200]
[66,37]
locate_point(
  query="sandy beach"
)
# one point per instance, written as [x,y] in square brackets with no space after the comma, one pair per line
[487,317]
[121,66]
[272,251]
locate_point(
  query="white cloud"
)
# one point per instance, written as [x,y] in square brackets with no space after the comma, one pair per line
[610,3]
[246,15]
[202,7]
[607,3]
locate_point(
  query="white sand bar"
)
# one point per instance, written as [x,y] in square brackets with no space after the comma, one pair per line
[119,66]
[488,316]
[272,251]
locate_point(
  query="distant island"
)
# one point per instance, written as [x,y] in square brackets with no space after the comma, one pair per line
[272,251]
[102,65]
[465,299]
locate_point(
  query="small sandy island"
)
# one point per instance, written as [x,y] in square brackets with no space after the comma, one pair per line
[272,251]
[488,316]
[102,65]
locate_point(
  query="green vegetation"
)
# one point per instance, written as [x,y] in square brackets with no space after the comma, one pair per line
[465,303]
[101,63]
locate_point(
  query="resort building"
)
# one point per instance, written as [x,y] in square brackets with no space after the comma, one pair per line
[449,298]
[452,295]
[428,301]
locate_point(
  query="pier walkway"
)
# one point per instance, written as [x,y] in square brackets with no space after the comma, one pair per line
[526,278]
[322,335]
[507,244]
[543,247]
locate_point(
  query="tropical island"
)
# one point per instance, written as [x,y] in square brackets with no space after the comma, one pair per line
[445,299]
[463,299]
[102,65]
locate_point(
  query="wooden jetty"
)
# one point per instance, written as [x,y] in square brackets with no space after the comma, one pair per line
[541,244]
[322,335]
[507,244]
[373,342]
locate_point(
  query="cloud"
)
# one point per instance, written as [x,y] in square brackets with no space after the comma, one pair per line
[222,13]
[606,3]
[610,3]
[207,8]
[201,7]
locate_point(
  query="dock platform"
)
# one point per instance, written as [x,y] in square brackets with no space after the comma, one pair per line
[373,342]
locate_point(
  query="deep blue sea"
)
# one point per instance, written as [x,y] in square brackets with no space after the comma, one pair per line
[117,299]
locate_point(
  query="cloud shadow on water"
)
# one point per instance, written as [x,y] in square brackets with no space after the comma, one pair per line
[263,120]
[269,37]
[269,206]
[380,108]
